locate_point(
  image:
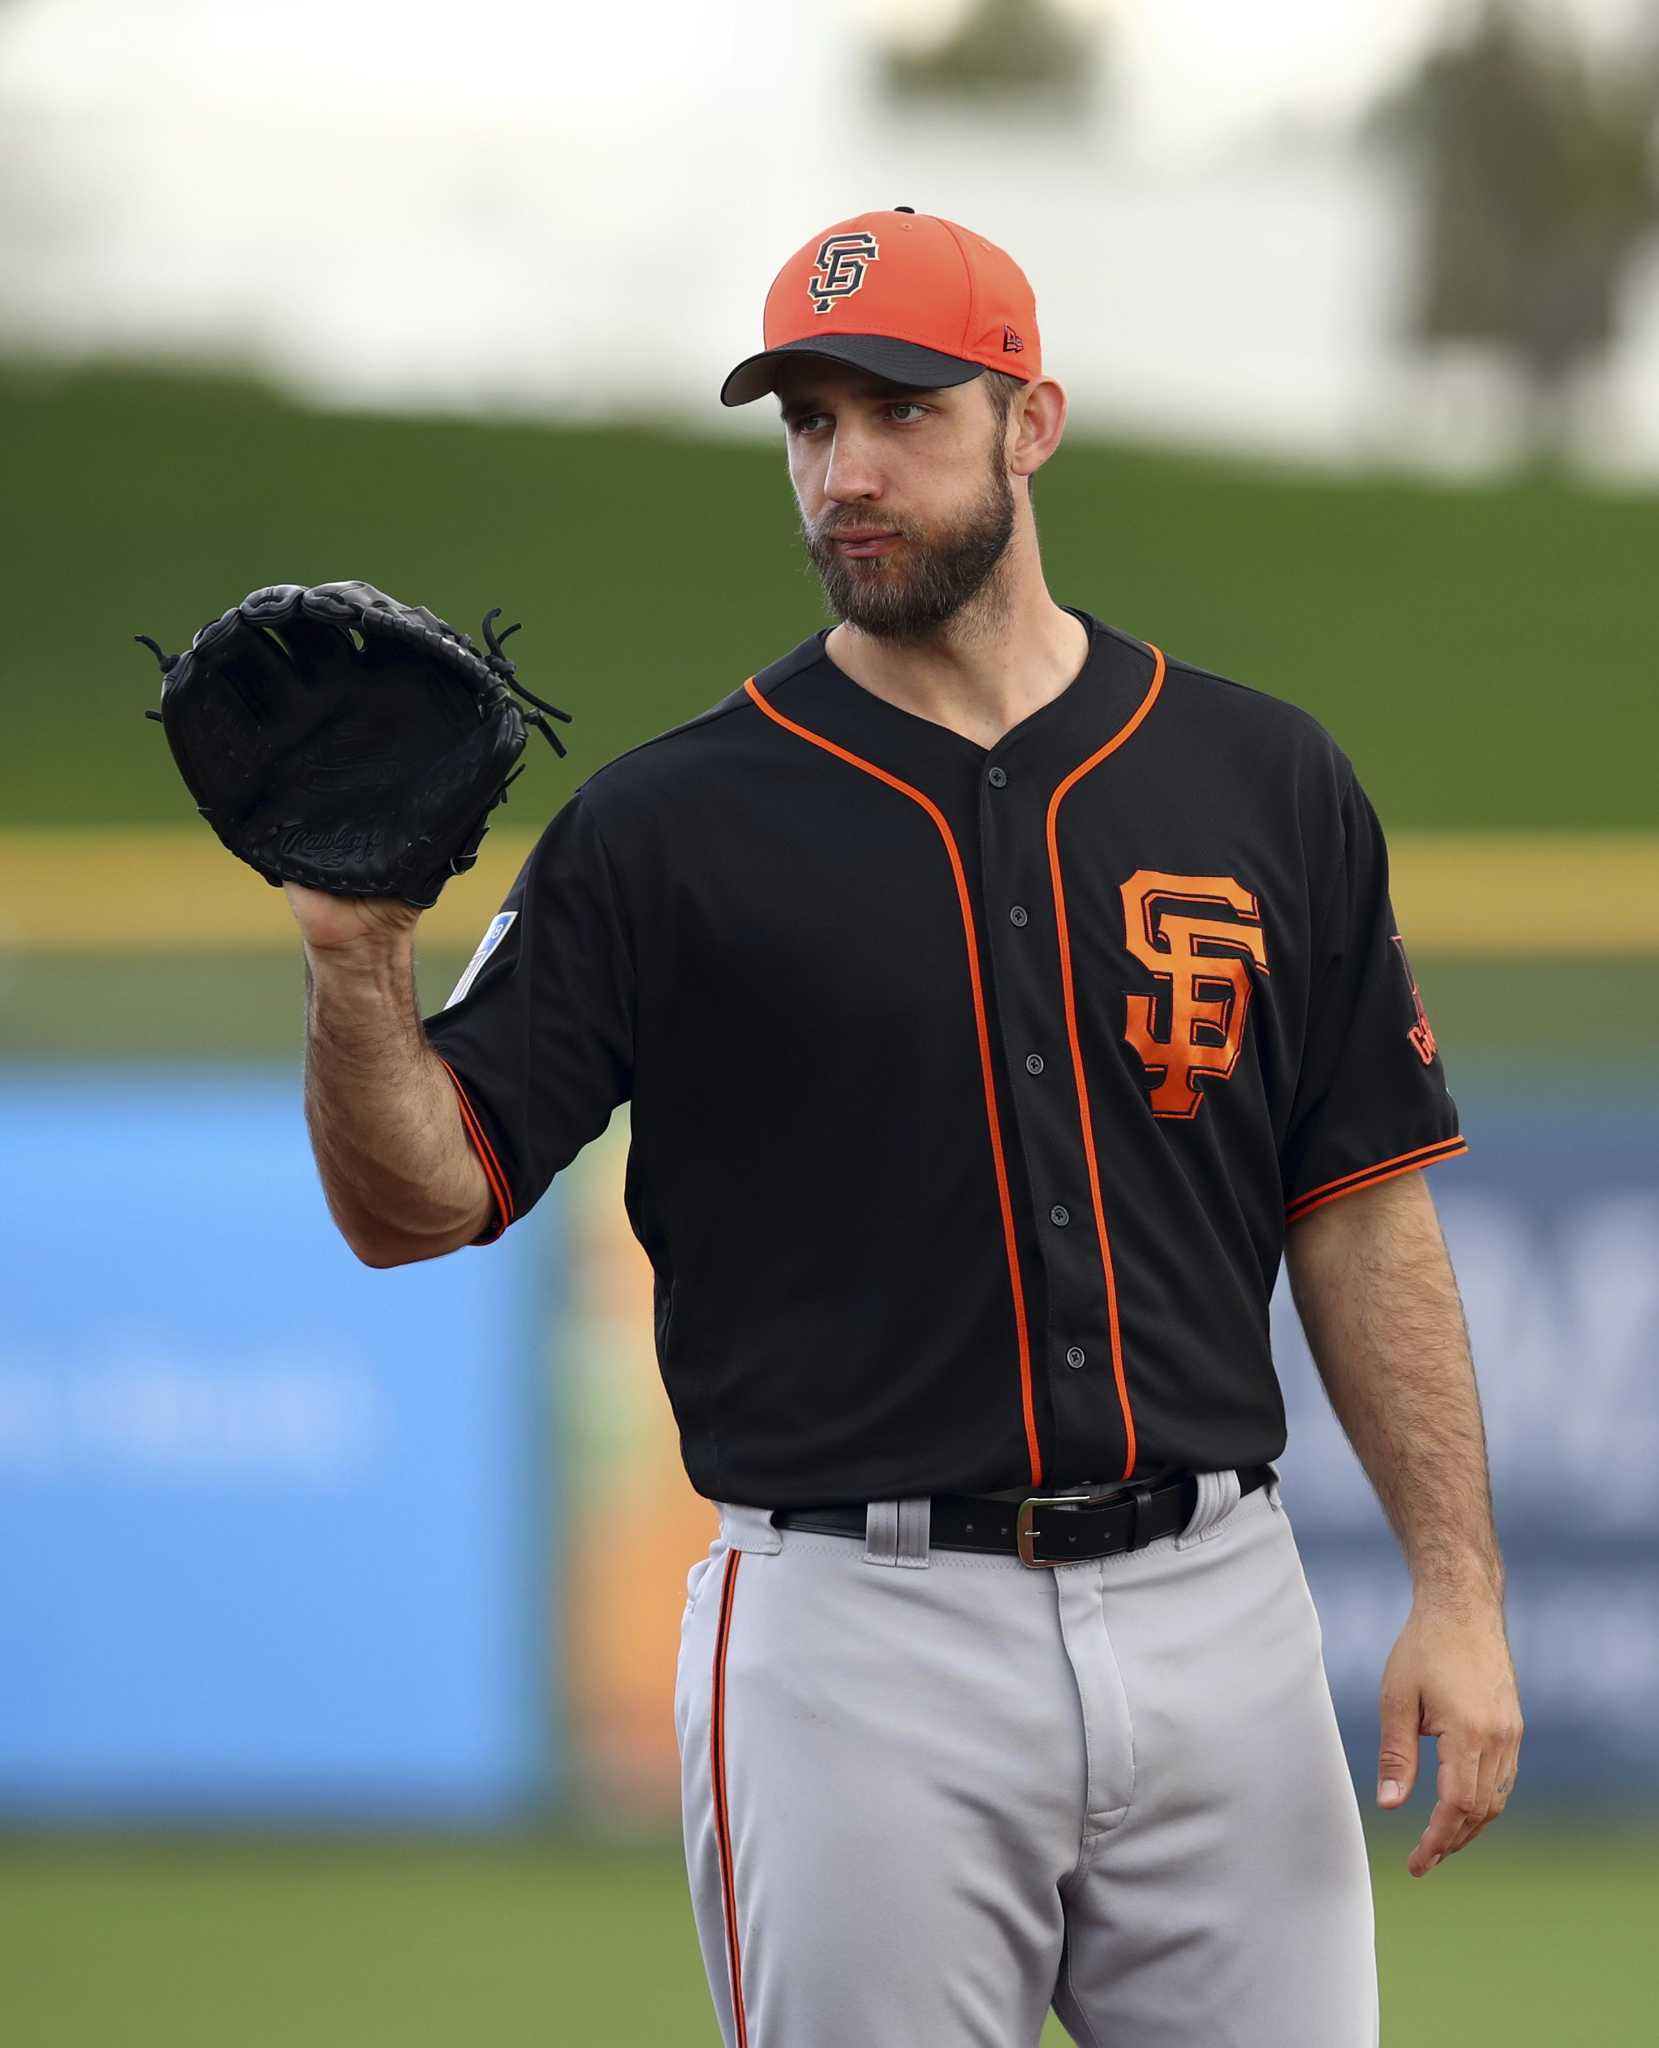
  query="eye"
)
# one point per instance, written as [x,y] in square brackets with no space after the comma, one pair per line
[804,422]
[908,405]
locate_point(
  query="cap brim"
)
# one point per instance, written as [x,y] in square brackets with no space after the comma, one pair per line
[900,362]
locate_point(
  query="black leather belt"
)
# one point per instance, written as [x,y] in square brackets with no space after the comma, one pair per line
[1043,1529]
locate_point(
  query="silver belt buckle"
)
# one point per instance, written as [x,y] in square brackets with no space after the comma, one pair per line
[1025,1536]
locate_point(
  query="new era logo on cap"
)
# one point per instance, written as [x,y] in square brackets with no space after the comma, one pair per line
[1011,343]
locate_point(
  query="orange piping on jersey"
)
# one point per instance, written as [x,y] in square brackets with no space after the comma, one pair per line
[1033,1450]
[1070,1001]
[497,1180]
[493,1174]
[717,1781]
[1371,1176]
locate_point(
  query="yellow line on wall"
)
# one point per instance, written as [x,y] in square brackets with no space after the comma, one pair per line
[1527,896]
[1476,895]
[96,892]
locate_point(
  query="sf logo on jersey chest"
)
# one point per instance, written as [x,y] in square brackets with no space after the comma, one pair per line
[1201,938]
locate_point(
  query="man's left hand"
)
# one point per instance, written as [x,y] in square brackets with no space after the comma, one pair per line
[1451,1676]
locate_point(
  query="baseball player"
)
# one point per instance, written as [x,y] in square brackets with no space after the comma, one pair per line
[999,999]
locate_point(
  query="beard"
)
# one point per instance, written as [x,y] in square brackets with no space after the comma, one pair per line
[910,594]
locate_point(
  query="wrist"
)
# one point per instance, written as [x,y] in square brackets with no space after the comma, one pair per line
[367,960]
[1459,1592]
[356,928]
[389,942]
[365,943]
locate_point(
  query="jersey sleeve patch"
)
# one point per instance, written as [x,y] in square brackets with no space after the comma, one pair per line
[499,926]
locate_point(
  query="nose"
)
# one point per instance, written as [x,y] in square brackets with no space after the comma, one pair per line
[851,476]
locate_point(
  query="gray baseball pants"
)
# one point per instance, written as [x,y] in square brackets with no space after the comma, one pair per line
[929,1794]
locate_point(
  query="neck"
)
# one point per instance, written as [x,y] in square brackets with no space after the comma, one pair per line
[1001,658]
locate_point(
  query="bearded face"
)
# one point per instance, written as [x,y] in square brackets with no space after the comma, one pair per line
[907,589]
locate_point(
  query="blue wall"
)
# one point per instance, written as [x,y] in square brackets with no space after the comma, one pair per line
[272,1523]
[274,1527]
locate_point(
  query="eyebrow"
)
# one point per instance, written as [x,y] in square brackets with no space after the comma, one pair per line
[893,394]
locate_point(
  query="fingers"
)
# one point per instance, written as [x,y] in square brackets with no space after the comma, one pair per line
[1456,1784]
[1499,1760]
[1397,1752]
[1473,1786]
[1507,1771]
[1480,1811]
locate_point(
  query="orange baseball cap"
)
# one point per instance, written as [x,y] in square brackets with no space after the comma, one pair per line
[903,295]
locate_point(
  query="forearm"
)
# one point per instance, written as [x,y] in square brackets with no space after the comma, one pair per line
[400,1177]
[1378,1300]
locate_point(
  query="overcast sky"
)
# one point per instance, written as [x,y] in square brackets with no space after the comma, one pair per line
[583,205]
[1189,73]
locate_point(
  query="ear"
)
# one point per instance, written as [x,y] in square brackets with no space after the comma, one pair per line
[1036,421]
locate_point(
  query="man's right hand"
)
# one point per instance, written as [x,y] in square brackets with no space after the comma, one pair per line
[331,923]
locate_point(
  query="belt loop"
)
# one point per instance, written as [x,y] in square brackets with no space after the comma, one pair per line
[896,1532]
[915,1531]
[746,1528]
[1218,1495]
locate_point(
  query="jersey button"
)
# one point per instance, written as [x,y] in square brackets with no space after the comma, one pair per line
[1059,1214]
[1018,914]
[1033,1063]
[997,777]
[1074,1357]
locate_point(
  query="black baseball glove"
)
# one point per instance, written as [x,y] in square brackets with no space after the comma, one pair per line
[335,737]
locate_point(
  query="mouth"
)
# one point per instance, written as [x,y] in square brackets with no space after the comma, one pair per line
[859,544]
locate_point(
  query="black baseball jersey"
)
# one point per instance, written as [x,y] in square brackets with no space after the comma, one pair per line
[973,1089]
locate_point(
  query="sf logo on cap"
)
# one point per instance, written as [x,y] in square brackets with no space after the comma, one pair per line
[842,262]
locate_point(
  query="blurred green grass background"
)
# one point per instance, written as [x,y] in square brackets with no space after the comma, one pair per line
[1475,649]
[1533,1938]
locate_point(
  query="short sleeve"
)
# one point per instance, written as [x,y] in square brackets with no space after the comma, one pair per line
[1371,1099]
[538,1033]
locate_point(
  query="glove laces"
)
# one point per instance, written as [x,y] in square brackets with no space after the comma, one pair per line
[501,667]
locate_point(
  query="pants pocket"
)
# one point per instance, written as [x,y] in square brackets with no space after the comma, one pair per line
[698,1577]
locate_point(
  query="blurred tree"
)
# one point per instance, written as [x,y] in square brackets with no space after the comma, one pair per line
[1536,185]
[1003,50]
